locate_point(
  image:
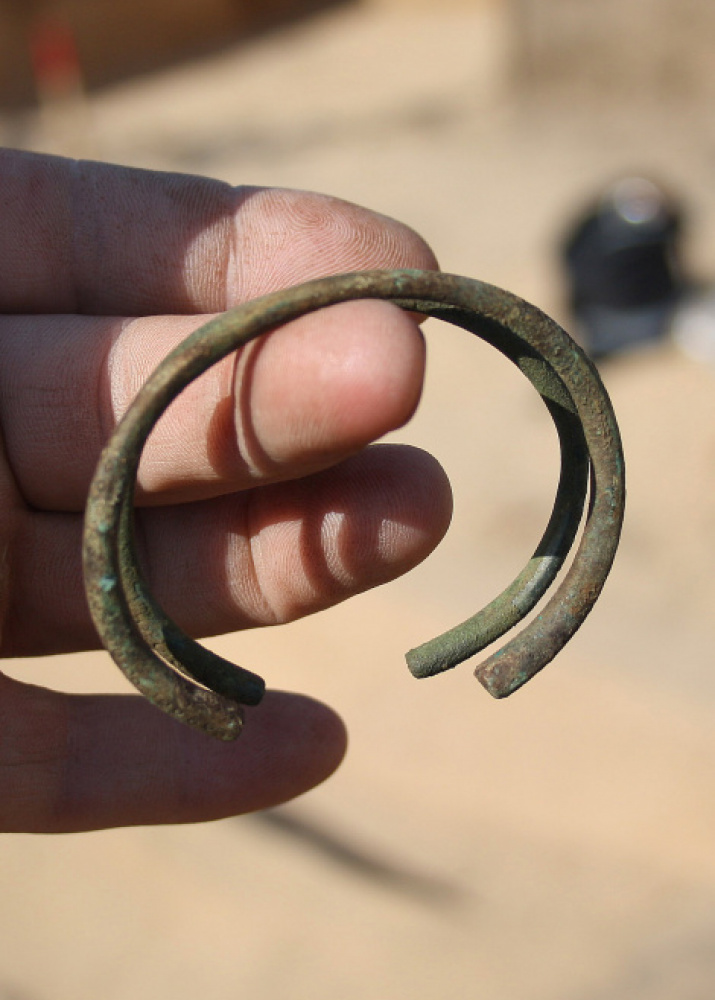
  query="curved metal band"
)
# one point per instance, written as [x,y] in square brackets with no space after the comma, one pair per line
[165,664]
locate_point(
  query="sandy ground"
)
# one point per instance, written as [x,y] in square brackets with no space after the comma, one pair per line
[559,845]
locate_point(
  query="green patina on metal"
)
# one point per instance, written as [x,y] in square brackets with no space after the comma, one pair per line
[202,689]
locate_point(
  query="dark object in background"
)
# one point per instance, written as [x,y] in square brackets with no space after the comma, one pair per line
[622,269]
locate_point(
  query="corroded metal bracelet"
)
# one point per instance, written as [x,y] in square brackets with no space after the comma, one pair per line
[202,689]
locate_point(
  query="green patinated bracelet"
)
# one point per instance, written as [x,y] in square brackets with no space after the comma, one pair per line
[202,689]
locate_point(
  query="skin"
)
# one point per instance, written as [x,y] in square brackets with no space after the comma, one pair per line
[102,270]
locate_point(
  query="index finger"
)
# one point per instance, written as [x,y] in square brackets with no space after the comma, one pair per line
[92,238]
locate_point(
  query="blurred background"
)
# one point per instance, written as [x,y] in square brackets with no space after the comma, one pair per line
[557,846]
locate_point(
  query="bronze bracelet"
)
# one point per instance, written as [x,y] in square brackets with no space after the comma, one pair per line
[202,689]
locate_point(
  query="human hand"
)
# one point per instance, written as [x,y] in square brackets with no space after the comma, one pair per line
[266,449]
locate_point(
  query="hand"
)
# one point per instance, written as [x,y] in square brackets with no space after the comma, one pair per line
[265,451]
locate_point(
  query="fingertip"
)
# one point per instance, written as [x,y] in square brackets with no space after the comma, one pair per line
[140,767]
[410,496]
[430,501]
[328,384]
[286,236]
[347,529]
[295,742]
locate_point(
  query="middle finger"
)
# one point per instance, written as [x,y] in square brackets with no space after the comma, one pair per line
[300,399]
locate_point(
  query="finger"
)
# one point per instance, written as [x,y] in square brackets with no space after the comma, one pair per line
[81,237]
[259,558]
[301,398]
[80,762]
